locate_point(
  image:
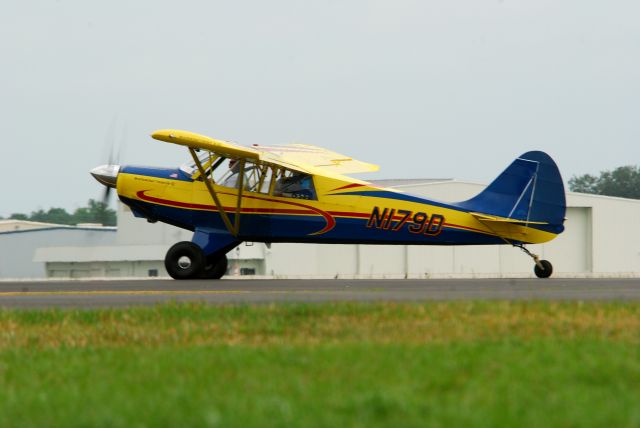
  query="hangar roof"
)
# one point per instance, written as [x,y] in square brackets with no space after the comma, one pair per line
[23,226]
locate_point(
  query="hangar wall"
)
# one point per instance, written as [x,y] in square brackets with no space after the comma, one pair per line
[136,251]
[18,246]
[616,237]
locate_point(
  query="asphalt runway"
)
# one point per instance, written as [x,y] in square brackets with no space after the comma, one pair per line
[121,293]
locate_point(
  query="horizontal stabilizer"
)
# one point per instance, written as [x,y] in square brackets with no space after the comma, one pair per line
[490,219]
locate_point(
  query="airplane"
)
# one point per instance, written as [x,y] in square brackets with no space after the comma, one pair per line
[228,194]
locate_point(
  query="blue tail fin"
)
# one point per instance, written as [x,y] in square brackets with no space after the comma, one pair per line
[530,189]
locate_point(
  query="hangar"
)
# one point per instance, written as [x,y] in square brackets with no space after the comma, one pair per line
[20,240]
[602,238]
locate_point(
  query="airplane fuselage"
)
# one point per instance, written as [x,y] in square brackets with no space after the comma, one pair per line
[344,212]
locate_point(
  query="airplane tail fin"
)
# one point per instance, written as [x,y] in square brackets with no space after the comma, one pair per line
[530,191]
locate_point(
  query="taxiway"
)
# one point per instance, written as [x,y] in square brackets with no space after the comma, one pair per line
[119,293]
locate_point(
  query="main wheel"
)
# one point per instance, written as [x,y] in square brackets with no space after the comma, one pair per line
[184,260]
[545,271]
[215,267]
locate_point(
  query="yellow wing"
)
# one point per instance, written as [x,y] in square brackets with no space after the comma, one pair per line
[197,141]
[306,158]
[312,157]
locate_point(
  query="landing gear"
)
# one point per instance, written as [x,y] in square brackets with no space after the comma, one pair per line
[545,271]
[184,260]
[215,268]
[542,268]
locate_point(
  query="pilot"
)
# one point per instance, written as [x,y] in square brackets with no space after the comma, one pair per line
[306,185]
[298,185]
[232,179]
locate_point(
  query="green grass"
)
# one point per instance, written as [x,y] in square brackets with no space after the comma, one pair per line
[333,365]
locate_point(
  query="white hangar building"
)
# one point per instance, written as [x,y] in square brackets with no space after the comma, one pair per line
[602,238]
[20,240]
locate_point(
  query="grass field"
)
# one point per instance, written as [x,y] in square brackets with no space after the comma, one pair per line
[330,365]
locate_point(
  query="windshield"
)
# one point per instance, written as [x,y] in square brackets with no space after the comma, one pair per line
[190,167]
[257,178]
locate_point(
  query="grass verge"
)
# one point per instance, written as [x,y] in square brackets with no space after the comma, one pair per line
[434,364]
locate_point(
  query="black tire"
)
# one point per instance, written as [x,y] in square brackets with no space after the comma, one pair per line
[544,272]
[184,260]
[215,267]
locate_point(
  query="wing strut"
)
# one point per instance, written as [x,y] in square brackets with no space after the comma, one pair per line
[234,229]
[239,201]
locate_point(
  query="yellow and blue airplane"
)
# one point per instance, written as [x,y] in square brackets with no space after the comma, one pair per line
[300,193]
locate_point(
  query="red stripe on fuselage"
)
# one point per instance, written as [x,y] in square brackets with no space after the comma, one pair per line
[331,222]
[348,186]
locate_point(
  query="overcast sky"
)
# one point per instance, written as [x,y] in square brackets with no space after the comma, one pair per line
[426,89]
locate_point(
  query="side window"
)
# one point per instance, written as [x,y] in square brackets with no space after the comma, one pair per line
[265,180]
[257,178]
[294,184]
[252,174]
[230,178]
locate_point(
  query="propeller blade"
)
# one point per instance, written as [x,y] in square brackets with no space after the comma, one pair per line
[107,195]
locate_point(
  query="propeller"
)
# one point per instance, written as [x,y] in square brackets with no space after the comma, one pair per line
[115,150]
[107,174]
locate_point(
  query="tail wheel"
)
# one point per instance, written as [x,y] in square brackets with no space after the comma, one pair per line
[215,267]
[543,271]
[184,260]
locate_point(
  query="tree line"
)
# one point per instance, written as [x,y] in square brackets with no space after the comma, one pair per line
[623,182]
[94,212]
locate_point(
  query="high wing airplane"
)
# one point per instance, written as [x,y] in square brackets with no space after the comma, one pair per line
[299,193]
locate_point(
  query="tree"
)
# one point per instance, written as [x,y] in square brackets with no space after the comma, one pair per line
[53,215]
[59,216]
[623,181]
[18,216]
[94,212]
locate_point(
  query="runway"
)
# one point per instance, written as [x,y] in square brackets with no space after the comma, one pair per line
[122,293]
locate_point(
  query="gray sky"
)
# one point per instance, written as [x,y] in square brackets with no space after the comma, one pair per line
[451,88]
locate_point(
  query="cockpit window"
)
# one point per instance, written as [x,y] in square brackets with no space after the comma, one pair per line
[257,178]
[294,184]
[209,162]
[191,168]
[262,178]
